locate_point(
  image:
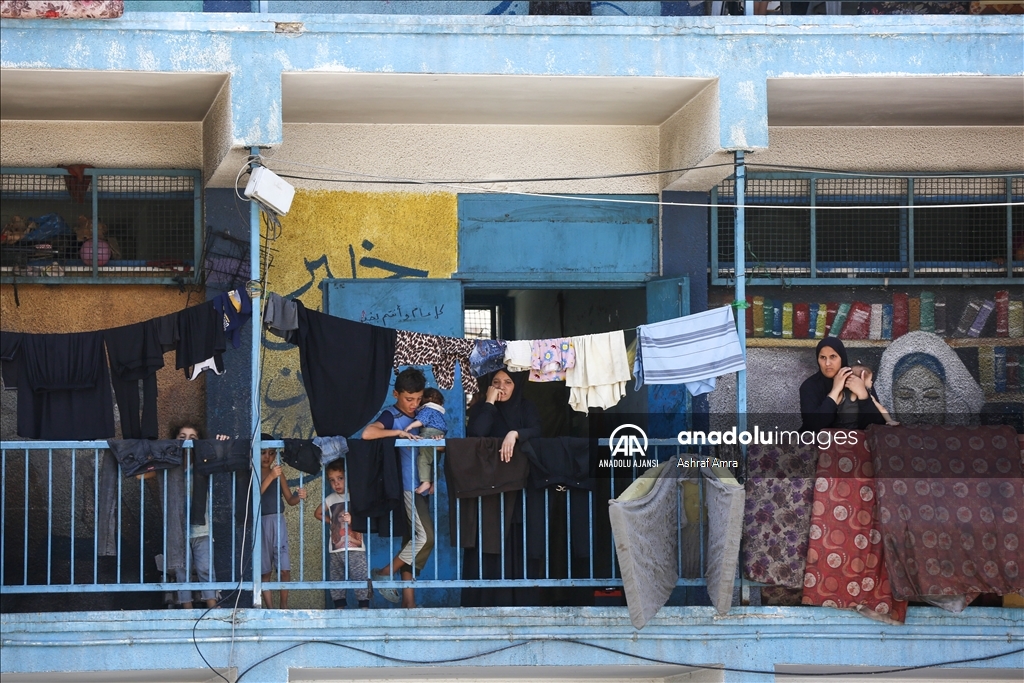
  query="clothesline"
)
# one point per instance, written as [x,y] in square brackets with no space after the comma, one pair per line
[66,378]
[336,353]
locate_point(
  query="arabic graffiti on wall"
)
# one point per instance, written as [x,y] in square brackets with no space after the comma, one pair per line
[350,235]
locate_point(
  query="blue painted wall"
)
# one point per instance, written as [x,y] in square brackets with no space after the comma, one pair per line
[741,52]
[510,238]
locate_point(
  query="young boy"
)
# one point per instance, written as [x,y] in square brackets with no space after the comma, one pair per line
[347,551]
[274,487]
[199,526]
[430,421]
[394,422]
[864,372]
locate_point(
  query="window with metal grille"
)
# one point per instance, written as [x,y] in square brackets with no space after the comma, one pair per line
[829,229]
[100,225]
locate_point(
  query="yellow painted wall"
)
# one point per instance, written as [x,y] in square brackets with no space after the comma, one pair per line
[82,308]
[327,234]
[342,235]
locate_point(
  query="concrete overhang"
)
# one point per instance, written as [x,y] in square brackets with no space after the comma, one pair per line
[484,99]
[44,94]
[896,101]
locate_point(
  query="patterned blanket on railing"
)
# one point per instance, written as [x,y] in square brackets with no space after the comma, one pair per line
[845,565]
[951,504]
[777,513]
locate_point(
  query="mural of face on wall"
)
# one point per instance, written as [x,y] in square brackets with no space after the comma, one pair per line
[921,379]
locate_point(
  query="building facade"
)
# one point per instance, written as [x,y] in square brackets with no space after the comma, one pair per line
[464,163]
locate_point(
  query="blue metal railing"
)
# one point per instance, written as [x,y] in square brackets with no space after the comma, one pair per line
[48,546]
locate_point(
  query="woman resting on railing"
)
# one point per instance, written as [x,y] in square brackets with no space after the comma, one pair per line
[500,411]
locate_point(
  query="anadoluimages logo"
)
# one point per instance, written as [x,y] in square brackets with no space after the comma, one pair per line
[628,444]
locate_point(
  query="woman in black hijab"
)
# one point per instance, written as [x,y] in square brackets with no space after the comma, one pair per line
[834,396]
[500,411]
[503,413]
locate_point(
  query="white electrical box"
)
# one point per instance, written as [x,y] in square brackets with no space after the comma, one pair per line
[270,189]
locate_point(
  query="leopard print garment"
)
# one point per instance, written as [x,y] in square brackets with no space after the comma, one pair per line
[441,353]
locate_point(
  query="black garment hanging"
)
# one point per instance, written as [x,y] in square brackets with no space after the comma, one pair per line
[375,486]
[222,455]
[302,454]
[10,342]
[135,356]
[200,337]
[64,387]
[346,369]
[137,456]
[473,468]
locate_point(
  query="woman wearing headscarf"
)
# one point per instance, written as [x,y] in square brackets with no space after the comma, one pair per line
[834,396]
[500,411]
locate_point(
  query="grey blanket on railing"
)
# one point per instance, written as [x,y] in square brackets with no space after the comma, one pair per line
[644,521]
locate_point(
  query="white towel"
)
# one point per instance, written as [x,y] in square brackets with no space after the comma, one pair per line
[875,328]
[518,356]
[692,350]
[598,380]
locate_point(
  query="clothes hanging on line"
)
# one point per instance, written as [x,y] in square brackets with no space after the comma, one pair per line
[331,447]
[63,386]
[488,355]
[234,309]
[441,353]
[280,316]
[346,370]
[135,355]
[200,339]
[550,358]
[692,350]
[518,356]
[599,376]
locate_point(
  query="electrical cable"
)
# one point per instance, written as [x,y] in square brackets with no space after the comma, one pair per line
[653,660]
[458,185]
[253,474]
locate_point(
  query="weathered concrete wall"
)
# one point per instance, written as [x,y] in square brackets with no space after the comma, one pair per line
[467,151]
[104,144]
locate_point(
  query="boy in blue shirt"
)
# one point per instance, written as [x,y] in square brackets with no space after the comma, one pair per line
[394,422]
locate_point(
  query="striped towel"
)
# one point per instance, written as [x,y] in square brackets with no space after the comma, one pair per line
[692,350]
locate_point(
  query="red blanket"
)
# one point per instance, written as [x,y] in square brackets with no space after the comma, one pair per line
[951,506]
[844,556]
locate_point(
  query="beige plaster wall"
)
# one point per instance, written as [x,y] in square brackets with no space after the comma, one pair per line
[877,149]
[466,151]
[104,144]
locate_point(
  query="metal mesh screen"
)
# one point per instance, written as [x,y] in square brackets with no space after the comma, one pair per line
[958,239]
[479,323]
[146,225]
[868,240]
[852,227]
